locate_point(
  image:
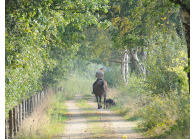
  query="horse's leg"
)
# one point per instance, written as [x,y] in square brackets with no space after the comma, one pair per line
[100,101]
[104,101]
[97,100]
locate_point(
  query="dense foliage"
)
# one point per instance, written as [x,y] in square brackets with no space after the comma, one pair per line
[42,38]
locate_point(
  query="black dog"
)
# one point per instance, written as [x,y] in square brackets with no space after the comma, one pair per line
[110,102]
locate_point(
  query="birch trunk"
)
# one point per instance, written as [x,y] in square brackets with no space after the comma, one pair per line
[125,66]
[134,52]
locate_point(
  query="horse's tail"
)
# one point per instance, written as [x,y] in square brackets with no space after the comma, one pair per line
[106,86]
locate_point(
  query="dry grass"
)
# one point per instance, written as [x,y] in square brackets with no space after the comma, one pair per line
[112,93]
[34,125]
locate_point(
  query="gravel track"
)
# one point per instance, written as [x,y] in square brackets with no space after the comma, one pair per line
[107,123]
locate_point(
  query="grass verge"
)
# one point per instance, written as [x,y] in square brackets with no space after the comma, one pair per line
[47,122]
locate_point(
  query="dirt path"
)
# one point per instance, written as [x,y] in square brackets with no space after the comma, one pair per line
[77,123]
[96,123]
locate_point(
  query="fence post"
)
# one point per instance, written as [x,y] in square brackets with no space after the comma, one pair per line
[43,94]
[23,105]
[10,124]
[14,120]
[32,98]
[34,102]
[31,104]
[38,98]
[18,117]
[20,111]
[6,136]
[26,108]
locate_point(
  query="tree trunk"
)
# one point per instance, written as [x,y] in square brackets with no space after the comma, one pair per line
[125,66]
[141,68]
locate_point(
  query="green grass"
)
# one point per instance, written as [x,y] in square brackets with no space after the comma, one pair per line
[87,96]
[57,116]
[82,104]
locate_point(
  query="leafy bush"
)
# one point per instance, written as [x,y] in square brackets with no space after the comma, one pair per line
[167,114]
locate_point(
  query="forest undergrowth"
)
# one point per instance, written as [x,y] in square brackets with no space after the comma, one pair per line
[158,116]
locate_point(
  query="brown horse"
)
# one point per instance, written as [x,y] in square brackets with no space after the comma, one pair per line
[100,89]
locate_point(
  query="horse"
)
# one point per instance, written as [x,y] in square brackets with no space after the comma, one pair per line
[99,91]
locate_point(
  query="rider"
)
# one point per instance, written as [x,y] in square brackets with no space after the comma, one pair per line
[100,76]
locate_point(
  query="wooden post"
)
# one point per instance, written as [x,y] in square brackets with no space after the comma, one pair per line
[30,104]
[14,120]
[32,99]
[10,124]
[18,117]
[33,106]
[23,109]
[38,98]
[34,102]
[6,136]
[35,99]
[26,108]
[20,111]
[41,96]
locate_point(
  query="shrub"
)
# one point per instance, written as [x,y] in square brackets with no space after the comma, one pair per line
[166,115]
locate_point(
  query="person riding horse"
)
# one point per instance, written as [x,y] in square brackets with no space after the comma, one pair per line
[100,88]
[100,76]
